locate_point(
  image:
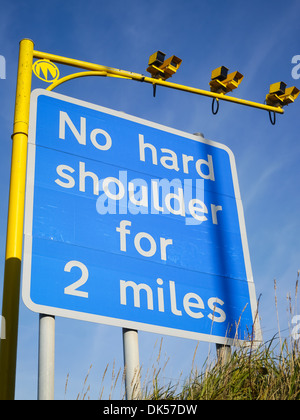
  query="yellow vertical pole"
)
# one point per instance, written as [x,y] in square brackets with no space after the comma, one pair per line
[14,239]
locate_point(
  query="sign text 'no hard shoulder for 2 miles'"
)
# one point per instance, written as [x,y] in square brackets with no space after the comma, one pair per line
[133,224]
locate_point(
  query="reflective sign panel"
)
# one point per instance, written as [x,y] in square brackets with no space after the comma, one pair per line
[133,224]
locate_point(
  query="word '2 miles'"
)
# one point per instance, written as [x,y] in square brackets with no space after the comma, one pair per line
[192,303]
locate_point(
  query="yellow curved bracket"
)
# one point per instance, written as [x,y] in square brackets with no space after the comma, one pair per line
[58,82]
[75,76]
[83,74]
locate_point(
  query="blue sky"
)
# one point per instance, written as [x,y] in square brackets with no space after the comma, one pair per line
[257,38]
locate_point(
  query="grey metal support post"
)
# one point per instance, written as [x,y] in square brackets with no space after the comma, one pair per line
[131,364]
[223,353]
[46,357]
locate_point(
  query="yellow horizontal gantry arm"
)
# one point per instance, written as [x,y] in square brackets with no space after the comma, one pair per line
[99,70]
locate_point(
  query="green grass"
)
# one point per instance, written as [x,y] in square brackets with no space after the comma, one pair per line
[270,371]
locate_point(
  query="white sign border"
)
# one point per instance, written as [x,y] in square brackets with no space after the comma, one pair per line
[27,248]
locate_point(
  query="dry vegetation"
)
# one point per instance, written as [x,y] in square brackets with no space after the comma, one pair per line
[268,372]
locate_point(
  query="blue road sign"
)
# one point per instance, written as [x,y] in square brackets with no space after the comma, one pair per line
[133,224]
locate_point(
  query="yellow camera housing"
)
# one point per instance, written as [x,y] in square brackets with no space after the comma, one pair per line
[222,82]
[220,73]
[279,95]
[160,68]
[170,66]
[157,59]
